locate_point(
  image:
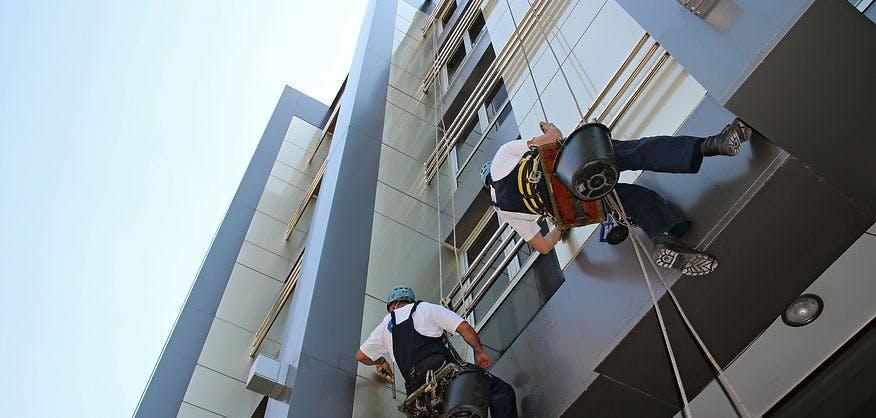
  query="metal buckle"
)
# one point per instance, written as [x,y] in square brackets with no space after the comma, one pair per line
[534,176]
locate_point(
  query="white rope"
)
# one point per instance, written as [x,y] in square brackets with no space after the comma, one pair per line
[732,395]
[437,101]
[557,59]
[526,58]
[615,202]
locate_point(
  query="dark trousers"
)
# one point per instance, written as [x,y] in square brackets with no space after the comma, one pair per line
[664,154]
[503,401]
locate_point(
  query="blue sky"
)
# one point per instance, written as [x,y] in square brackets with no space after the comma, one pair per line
[125,128]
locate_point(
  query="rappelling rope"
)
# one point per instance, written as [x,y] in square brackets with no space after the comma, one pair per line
[732,395]
[526,58]
[614,201]
[557,59]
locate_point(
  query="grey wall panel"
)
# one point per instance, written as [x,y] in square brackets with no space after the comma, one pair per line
[813,96]
[723,49]
[607,398]
[761,271]
[325,321]
[167,386]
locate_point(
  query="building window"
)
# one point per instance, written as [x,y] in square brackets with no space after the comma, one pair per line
[477,27]
[494,103]
[454,62]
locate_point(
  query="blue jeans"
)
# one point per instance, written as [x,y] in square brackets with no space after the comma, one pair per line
[664,154]
[503,401]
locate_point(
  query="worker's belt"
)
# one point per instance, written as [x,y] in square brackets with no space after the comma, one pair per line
[529,178]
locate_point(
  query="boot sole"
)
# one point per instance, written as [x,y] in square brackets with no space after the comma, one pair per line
[689,263]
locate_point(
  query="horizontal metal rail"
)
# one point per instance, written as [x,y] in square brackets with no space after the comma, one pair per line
[495,276]
[477,260]
[524,269]
[274,312]
[310,194]
[483,87]
[616,76]
[645,82]
[483,271]
[483,137]
[452,43]
[317,178]
[437,14]
[629,80]
[486,84]
[324,133]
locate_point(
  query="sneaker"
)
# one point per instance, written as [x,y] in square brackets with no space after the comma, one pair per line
[671,253]
[729,141]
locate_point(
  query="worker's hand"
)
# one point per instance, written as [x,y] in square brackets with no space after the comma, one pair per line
[546,126]
[384,369]
[482,359]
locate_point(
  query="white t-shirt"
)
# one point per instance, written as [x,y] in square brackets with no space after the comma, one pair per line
[507,157]
[430,320]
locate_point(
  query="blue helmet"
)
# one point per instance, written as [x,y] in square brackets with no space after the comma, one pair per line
[400,293]
[485,173]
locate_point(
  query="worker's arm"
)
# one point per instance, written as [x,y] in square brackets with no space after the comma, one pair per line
[482,359]
[545,243]
[383,366]
[550,135]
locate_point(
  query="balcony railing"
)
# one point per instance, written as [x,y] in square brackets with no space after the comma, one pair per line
[454,40]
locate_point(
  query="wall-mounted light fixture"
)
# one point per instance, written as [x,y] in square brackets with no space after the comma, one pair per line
[803,310]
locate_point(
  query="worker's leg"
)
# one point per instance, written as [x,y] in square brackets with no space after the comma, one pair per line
[664,224]
[651,211]
[679,154]
[666,154]
[503,401]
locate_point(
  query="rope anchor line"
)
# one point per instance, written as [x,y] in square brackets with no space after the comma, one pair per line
[729,390]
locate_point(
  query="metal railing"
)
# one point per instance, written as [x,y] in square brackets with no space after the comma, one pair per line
[454,40]
[317,178]
[484,86]
[437,14]
[274,312]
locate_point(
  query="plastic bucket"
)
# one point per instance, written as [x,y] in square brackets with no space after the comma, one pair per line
[586,164]
[467,395]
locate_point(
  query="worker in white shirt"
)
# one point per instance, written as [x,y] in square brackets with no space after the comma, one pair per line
[663,222]
[413,334]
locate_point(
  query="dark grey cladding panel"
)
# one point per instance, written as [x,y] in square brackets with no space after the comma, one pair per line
[813,96]
[782,240]
[607,398]
[167,386]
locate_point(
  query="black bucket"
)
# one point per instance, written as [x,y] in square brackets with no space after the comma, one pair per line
[586,163]
[467,395]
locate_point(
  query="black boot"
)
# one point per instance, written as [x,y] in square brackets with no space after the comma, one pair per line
[671,253]
[728,141]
